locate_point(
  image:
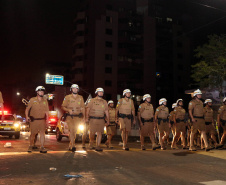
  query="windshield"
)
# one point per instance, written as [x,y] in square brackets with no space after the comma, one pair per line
[7,118]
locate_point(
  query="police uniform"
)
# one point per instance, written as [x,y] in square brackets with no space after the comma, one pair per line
[125,108]
[111,129]
[171,115]
[198,114]
[180,126]
[222,113]
[37,113]
[1,99]
[162,113]
[180,119]
[147,113]
[76,105]
[97,106]
[208,117]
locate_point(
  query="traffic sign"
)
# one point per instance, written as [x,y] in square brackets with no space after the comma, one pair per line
[55,79]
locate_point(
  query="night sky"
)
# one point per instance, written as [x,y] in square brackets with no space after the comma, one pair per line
[32,33]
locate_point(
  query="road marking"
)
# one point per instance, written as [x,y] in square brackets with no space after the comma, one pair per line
[216,182]
[37,152]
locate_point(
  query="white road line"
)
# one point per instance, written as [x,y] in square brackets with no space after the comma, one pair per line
[216,182]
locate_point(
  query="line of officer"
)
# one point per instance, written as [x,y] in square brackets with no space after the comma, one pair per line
[74,107]
[221,119]
[37,112]
[146,119]
[97,108]
[125,111]
[111,128]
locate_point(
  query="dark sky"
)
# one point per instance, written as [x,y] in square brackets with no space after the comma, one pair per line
[31,33]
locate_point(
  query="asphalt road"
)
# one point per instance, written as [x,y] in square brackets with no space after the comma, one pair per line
[112,166]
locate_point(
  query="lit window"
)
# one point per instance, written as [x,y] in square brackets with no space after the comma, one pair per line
[168,19]
[130,23]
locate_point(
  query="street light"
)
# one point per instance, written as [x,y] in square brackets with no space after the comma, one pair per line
[18,93]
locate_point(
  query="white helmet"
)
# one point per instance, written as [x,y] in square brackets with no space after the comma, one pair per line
[40,88]
[146,96]
[74,86]
[99,89]
[196,92]
[126,91]
[179,100]
[174,105]
[208,101]
[224,99]
[162,100]
[110,101]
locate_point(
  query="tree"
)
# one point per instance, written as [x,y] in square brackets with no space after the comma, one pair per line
[211,70]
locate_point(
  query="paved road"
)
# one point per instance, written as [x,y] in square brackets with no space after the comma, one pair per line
[113,166]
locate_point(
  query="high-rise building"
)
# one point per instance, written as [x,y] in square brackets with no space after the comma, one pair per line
[120,44]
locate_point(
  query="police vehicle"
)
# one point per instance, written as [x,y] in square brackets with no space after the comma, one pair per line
[9,126]
[63,131]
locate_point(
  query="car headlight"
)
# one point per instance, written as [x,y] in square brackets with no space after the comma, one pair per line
[16,125]
[81,127]
[24,126]
[104,128]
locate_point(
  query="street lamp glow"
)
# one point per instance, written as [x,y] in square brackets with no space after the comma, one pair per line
[18,93]
[47,74]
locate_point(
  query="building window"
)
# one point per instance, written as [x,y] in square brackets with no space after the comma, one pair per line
[120,58]
[79,46]
[108,44]
[108,57]
[121,9]
[108,70]
[109,19]
[108,31]
[133,38]
[130,23]
[168,19]
[108,7]
[108,83]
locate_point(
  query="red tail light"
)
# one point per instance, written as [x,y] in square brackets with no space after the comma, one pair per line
[52,119]
[5,112]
